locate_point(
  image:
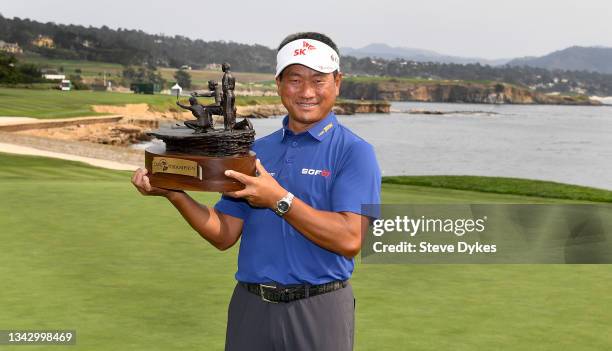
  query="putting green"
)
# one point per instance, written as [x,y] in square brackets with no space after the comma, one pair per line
[81,249]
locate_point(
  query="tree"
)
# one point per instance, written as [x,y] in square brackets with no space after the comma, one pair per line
[11,72]
[142,75]
[183,78]
[29,73]
[77,82]
[8,73]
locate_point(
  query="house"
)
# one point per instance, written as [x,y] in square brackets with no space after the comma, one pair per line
[43,41]
[12,48]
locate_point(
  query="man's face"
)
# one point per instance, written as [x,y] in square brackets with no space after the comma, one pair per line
[307,94]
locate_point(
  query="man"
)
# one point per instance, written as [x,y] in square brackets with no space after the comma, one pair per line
[300,220]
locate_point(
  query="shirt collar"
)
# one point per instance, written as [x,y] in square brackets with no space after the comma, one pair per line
[318,131]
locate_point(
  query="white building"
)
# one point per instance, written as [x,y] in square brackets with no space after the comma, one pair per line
[54,76]
[176,90]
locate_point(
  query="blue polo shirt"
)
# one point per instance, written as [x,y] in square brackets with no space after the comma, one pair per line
[329,168]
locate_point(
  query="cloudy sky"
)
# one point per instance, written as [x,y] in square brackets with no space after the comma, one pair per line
[475,28]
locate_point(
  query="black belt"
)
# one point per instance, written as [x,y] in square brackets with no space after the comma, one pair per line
[279,293]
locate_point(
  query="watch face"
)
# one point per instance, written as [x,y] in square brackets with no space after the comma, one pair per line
[283,206]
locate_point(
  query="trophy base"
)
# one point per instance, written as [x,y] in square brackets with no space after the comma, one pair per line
[178,171]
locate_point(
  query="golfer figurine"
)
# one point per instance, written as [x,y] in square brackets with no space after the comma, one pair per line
[204,122]
[228,83]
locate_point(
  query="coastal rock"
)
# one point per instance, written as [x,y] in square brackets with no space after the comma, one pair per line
[261,111]
[341,108]
[457,92]
[101,133]
[351,107]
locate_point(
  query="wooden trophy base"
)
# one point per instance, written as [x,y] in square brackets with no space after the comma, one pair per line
[177,171]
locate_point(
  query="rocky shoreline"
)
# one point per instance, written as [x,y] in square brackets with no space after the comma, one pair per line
[475,93]
[341,108]
[114,153]
[130,123]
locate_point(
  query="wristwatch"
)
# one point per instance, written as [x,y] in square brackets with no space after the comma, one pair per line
[283,205]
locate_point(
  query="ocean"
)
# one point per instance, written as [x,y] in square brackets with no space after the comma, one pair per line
[567,144]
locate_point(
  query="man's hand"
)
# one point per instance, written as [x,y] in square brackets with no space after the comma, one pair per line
[340,232]
[261,191]
[143,185]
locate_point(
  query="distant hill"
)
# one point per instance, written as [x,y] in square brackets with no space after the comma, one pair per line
[131,47]
[419,55]
[575,58]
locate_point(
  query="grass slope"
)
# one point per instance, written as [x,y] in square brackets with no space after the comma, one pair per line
[95,69]
[82,249]
[89,69]
[502,185]
[64,104]
[201,77]
[47,104]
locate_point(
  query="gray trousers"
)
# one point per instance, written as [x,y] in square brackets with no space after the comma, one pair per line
[322,322]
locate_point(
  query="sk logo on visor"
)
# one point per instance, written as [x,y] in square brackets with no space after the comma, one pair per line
[306,47]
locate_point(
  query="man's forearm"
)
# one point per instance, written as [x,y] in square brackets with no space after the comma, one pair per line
[203,219]
[340,232]
[335,231]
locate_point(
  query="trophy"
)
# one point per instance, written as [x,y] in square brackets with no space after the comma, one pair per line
[196,155]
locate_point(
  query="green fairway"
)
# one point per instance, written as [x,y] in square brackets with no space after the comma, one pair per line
[200,78]
[64,104]
[89,69]
[81,249]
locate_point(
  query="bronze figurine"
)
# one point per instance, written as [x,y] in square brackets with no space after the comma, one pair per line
[196,155]
[204,121]
[229,100]
[224,105]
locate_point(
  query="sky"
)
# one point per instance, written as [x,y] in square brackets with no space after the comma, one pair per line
[470,28]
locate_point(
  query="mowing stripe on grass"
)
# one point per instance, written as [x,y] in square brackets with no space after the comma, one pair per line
[82,249]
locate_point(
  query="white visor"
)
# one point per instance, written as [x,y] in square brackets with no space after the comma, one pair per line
[310,53]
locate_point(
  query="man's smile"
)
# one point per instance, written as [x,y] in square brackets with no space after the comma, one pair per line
[307,105]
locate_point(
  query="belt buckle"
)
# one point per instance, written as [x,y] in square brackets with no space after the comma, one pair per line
[261,292]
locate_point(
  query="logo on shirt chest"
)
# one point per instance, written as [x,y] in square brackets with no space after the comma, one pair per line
[316,172]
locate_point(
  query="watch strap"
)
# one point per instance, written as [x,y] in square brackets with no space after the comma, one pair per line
[288,199]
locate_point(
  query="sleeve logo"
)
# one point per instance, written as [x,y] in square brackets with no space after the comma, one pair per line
[316,172]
